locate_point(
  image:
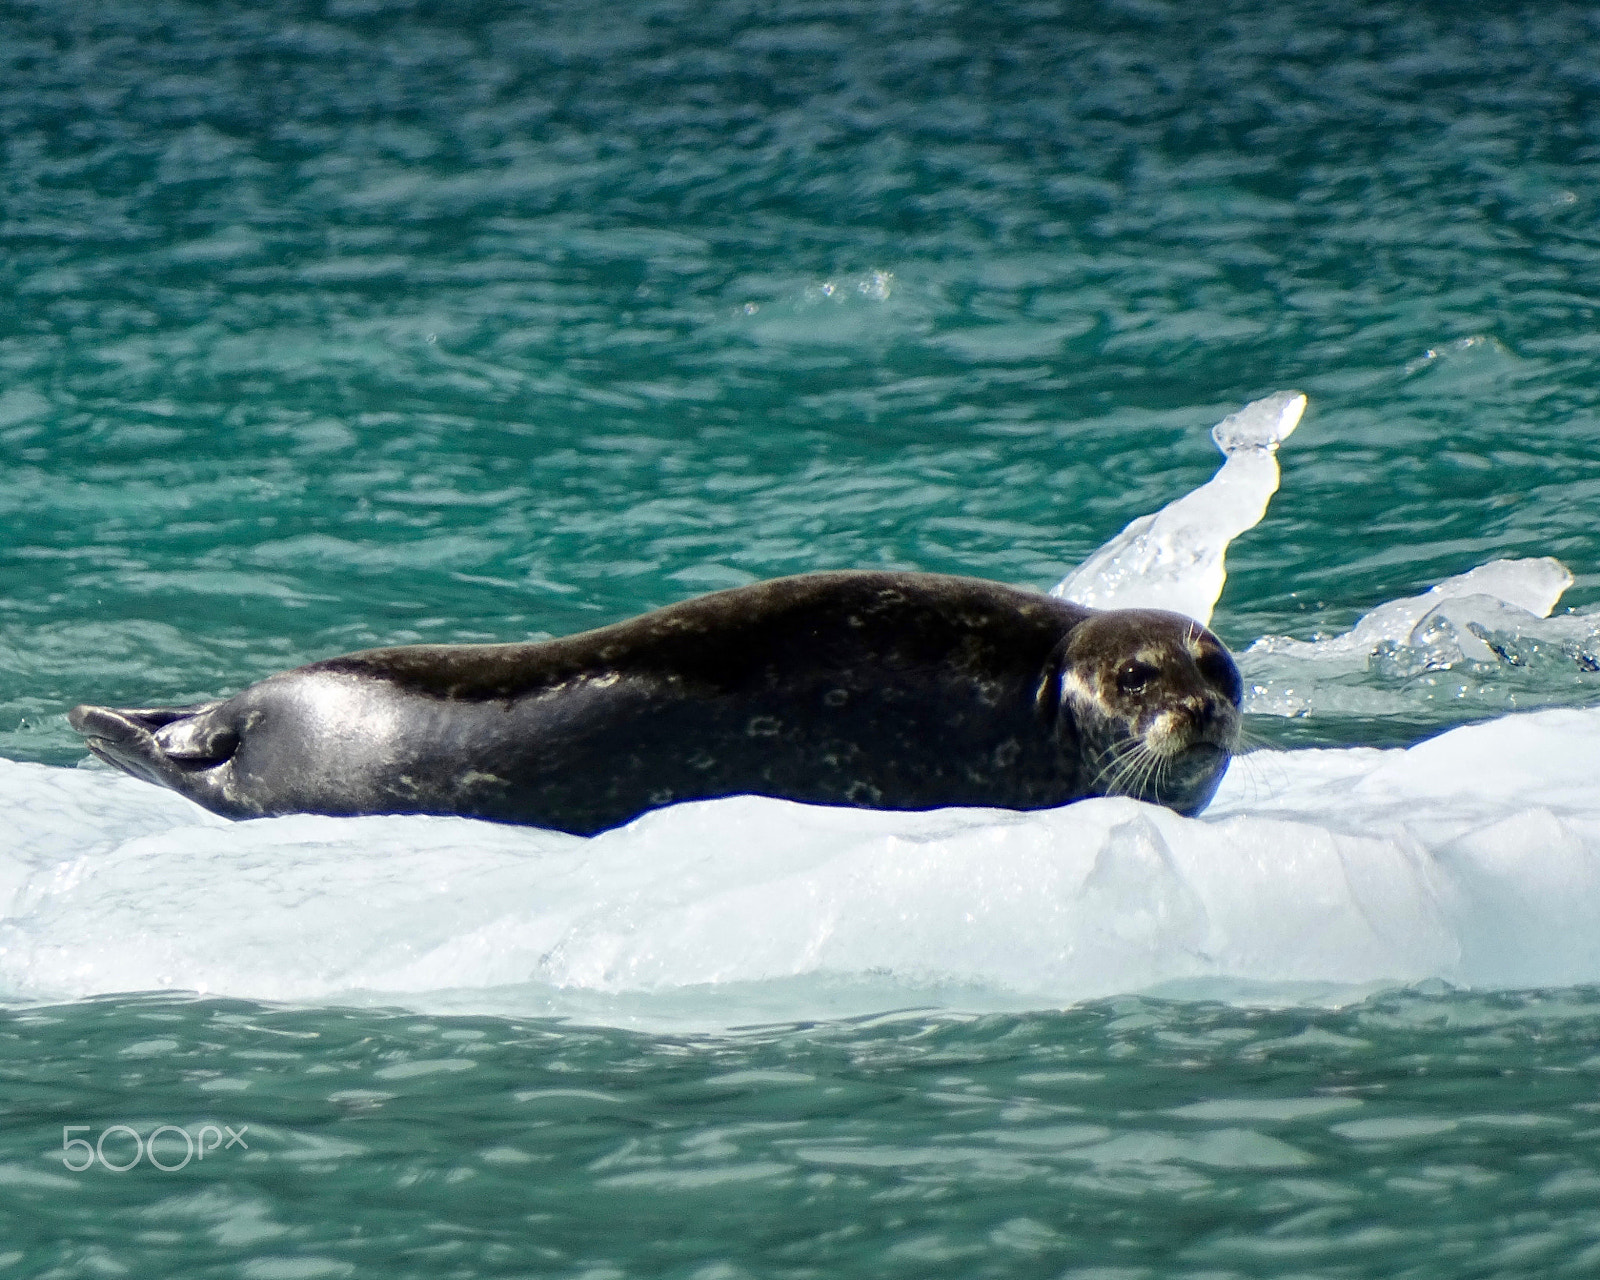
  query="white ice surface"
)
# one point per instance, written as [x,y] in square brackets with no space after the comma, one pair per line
[1174,558]
[1473,858]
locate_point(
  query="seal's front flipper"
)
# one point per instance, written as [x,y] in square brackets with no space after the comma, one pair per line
[164,745]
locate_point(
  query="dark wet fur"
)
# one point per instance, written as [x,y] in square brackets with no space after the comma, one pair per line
[877,690]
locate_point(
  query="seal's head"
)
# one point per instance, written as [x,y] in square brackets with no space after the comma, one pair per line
[1152,699]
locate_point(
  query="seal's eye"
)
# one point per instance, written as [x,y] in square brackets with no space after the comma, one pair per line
[1218,669]
[1133,676]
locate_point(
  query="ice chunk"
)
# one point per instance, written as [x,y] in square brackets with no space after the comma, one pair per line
[1261,424]
[1530,588]
[1488,627]
[1462,627]
[1173,559]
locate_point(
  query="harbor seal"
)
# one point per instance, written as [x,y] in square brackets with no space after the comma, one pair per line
[870,689]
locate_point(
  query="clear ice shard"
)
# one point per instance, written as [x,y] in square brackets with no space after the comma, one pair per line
[1173,559]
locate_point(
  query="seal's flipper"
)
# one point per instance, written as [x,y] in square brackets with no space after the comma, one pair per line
[159,744]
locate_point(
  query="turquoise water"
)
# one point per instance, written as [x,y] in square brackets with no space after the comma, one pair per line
[1420,1135]
[324,326]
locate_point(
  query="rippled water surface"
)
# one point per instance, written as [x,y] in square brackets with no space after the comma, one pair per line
[331,325]
[1418,1135]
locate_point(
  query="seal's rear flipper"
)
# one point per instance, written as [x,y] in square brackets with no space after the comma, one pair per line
[159,744]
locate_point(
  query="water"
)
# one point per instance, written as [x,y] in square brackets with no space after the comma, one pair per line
[334,325]
[1419,1134]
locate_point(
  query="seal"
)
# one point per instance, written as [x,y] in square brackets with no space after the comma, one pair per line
[870,689]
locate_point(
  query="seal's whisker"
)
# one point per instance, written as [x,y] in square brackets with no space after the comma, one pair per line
[1130,765]
[1249,739]
[1109,763]
[1263,771]
[1159,774]
[1112,762]
[1158,779]
[1136,764]
[1135,783]
[1131,781]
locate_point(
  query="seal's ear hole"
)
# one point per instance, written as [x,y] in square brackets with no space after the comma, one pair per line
[1218,669]
[1134,675]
